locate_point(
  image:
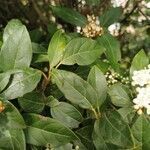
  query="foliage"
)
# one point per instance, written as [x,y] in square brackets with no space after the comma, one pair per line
[71,92]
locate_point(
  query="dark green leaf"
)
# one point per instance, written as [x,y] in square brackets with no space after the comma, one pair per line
[69,15]
[85,134]
[110,16]
[11,117]
[38,58]
[38,48]
[32,102]
[127,113]
[43,130]
[75,89]
[97,79]
[67,114]
[12,139]
[140,131]
[103,66]
[111,132]
[112,47]
[82,51]
[119,95]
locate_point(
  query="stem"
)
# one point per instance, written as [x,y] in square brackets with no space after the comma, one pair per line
[58,65]
[45,81]
[99,114]
[95,113]
[44,75]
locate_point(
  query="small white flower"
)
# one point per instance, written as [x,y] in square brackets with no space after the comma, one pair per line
[114,29]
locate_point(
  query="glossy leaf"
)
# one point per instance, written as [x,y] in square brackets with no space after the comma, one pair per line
[38,58]
[119,95]
[32,102]
[56,48]
[67,114]
[97,79]
[11,117]
[12,27]
[24,81]
[4,79]
[110,16]
[127,113]
[16,51]
[111,132]
[12,139]
[75,89]
[85,134]
[43,130]
[140,61]
[140,130]
[82,51]
[38,48]
[112,47]
[69,15]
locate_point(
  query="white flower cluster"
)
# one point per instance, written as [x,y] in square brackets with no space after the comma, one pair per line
[113,77]
[141,79]
[119,3]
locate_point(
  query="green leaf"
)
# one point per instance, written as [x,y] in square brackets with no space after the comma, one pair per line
[38,58]
[140,131]
[103,66]
[24,81]
[16,51]
[56,48]
[11,117]
[32,102]
[4,79]
[69,15]
[75,89]
[82,51]
[12,139]
[67,114]
[38,48]
[112,47]
[43,130]
[111,132]
[85,134]
[127,113]
[119,95]
[11,28]
[97,79]
[110,16]
[140,61]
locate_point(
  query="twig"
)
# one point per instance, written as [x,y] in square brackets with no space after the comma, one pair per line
[131,12]
[143,14]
